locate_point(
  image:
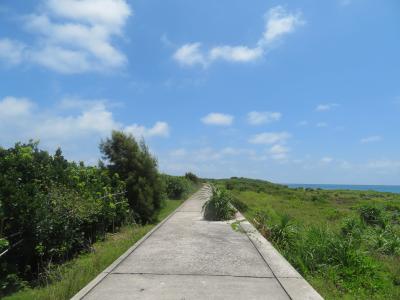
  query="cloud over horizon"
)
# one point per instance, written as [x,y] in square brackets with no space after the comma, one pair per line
[22,120]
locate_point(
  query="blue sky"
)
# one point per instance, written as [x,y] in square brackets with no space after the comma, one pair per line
[289,91]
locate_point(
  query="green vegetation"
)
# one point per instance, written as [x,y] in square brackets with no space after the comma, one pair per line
[133,163]
[64,281]
[219,207]
[179,187]
[345,243]
[51,209]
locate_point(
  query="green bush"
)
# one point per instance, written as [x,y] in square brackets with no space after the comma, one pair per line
[372,215]
[51,209]
[134,164]
[192,177]
[219,207]
[176,187]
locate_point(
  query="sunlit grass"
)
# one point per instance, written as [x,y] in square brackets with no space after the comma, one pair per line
[306,226]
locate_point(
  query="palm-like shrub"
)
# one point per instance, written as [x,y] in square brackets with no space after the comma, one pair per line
[219,207]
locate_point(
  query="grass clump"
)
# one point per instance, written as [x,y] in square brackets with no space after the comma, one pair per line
[219,207]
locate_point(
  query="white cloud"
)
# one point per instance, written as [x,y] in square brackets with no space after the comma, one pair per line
[160,129]
[278,22]
[326,107]
[384,164]
[326,160]
[21,120]
[76,36]
[322,125]
[11,107]
[218,119]
[257,117]
[189,55]
[11,52]
[235,54]
[178,152]
[371,139]
[279,152]
[112,13]
[270,138]
[205,155]
[236,151]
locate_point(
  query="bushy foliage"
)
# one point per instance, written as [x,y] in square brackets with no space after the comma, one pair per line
[176,187]
[192,177]
[135,165]
[372,215]
[51,209]
[219,207]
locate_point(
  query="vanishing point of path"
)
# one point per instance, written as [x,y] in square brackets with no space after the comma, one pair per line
[186,257]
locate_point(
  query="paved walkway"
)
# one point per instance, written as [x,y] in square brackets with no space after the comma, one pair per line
[186,257]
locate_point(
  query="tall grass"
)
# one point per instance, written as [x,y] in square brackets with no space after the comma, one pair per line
[346,243]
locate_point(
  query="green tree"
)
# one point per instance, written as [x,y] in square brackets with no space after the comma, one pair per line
[135,165]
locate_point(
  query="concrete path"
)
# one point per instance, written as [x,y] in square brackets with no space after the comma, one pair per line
[186,257]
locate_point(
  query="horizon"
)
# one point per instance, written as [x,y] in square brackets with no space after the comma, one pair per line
[281,91]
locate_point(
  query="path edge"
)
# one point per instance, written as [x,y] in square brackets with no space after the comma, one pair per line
[291,281]
[92,284]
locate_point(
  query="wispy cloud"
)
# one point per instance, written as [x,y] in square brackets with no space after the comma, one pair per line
[326,160]
[268,138]
[73,36]
[160,129]
[263,117]
[218,119]
[279,152]
[371,139]
[11,51]
[278,23]
[384,166]
[322,125]
[326,107]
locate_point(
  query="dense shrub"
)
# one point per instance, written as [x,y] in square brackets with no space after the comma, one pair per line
[176,187]
[134,164]
[50,209]
[219,207]
[372,215]
[192,177]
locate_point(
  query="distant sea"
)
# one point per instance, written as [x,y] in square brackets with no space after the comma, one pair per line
[377,188]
